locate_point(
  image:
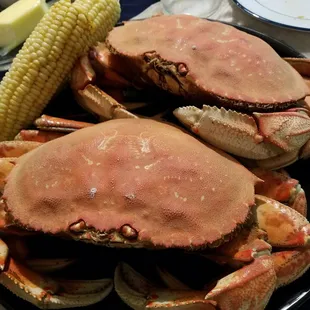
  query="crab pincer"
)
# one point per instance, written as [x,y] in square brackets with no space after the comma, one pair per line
[280,186]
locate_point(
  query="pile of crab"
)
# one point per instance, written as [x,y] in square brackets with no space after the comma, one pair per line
[135,182]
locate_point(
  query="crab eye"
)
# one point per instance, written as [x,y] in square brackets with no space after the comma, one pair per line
[182,69]
[128,232]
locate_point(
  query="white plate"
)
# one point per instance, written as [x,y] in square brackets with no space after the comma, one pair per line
[286,13]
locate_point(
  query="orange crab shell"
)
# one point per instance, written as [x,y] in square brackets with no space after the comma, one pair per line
[201,58]
[171,189]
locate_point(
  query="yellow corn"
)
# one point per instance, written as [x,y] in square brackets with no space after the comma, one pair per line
[65,32]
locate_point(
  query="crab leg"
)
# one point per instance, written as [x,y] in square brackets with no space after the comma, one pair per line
[50,128]
[82,73]
[234,291]
[6,165]
[51,123]
[16,148]
[9,152]
[43,291]
[101,58]
[49,265]
[100,103]
[290,265]
[271,217]
[139,293]
[170,281]
[107,73]
[37,135]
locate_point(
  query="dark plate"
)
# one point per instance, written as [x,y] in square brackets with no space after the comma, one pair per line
[194,270]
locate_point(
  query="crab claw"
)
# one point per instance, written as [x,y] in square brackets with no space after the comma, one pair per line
[4,253]
[228,130]
[299,202]
[46,293]
[138,293]
[274,217]
[248,288]
[82,73]
[109,67]
[100,103]
[274,139]
[281,187]
[290,265]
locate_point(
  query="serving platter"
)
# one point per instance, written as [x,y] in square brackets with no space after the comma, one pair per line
[294,14]
[194,270]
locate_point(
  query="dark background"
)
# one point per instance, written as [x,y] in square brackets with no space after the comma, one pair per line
[131,8]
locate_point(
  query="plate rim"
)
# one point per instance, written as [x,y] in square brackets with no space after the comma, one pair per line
[267,20]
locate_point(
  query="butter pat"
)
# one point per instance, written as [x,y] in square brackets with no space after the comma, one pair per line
[17,22]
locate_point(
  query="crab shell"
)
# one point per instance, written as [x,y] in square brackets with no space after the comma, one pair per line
[132,181]
[197,58]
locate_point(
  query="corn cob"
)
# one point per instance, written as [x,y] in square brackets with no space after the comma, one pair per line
[64,33]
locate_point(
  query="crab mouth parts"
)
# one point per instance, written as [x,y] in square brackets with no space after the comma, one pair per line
[128,237]
[164,66]
[167,73]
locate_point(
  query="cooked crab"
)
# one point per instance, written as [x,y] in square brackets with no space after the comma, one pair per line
[253,101]
[49,128]
[142,183]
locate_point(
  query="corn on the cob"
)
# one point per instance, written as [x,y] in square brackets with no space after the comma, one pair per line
[48,55]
